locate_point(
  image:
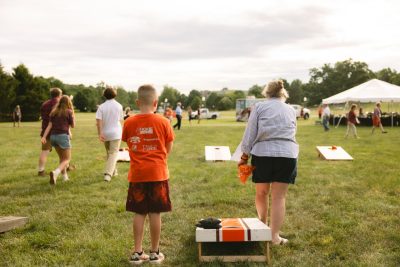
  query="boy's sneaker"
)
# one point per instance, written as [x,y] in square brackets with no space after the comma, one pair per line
[53,177]
[156,257]
[42,173]
[138,258]
[107,178]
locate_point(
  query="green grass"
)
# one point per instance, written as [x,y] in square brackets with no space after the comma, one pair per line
[338,213]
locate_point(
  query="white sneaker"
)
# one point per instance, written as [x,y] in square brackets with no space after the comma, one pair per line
[53,177]
[115,172]
[156,257]
[65,178]
[107,178]
[138,258]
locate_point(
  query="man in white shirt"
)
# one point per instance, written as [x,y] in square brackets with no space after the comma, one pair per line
[326,114]
[108,117]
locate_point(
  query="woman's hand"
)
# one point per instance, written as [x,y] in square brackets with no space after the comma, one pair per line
[43,140]
[242,162]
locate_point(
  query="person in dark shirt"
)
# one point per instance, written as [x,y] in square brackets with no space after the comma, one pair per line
[59,128]
[45,110]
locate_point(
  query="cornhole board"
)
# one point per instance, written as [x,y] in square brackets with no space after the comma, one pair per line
[123,155]
[330,153]
[236,230]
[8,223]
[217,153]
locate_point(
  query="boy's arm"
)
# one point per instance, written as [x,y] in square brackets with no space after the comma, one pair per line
[99,125]
[168,146]
[46,132]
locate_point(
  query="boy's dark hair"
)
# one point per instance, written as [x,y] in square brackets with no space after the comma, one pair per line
[109,93]
[55,92]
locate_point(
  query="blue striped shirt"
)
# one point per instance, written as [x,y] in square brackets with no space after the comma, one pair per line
[271,130]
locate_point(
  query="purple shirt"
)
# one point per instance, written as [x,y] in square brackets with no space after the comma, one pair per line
[45,110]
[61,124]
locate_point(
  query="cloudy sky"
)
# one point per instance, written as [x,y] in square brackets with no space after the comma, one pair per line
[195,44]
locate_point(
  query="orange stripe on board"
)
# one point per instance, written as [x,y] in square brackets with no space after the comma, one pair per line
[232,230]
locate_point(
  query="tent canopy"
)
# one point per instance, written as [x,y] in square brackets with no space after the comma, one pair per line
[372,91]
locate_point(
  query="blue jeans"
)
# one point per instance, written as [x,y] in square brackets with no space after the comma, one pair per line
[325,123]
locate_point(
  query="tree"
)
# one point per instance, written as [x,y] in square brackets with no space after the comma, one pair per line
[225,103]
[7,94]
[122,97]
[196,103]
[169,93]
[295,91]
[132,99]
[192,95]
[85,100]
[327,80]
[256,91]
[212,100]
[30,92]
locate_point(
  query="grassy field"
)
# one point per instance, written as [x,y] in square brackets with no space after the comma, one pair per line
[338,213]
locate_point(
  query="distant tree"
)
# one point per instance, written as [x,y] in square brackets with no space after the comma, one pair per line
[7,94]
[212,100]
[85,100]
[122,97]
[237,94]
[132,99]
[225,103]
[388,75]
[256,91]
[330,80]
[30,92]
[183,99]
[196,103]
[169,93]
[192,96]
[295,91]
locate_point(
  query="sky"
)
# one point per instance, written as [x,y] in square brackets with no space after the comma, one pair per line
[204,45]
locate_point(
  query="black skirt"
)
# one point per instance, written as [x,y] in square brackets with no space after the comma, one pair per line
[274,169]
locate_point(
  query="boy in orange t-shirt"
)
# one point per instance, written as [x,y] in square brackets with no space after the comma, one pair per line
[149,137]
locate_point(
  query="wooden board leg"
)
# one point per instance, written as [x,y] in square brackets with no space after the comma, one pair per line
[267,253]
[199,248]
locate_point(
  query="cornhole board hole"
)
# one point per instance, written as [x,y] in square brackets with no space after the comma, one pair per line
[333,153]
[8,223]
[236,230]
[123,155]
[217,153]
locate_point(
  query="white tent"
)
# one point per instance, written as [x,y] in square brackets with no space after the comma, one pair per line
[372,91]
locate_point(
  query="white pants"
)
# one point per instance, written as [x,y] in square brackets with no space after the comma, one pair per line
[112,148]
[351,128]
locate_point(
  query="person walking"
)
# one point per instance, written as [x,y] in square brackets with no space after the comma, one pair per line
[45,110]
[351,122]
[269,139]
[178,112]
[326,114]
[59,128]
[109,116]
[17,115]
[376,118]
[190,115]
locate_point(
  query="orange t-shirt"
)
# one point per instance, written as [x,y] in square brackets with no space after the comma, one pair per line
[147,136]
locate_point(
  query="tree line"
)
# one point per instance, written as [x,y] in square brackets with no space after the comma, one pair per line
[29,91]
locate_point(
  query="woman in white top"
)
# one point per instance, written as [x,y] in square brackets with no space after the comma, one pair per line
[108,120]
[270,141]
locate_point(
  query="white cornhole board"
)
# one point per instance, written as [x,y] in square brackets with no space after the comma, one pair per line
[123,155]
[327,153]
[216,153]
[236,230]
[8,223]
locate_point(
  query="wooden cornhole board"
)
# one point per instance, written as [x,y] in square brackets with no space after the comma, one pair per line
[217,153]
[8,223]
[330,153]
[123,155]
[236,230]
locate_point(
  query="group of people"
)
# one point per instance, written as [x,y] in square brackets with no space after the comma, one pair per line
[352,119]
[269,140]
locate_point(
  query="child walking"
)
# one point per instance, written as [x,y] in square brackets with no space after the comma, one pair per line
[351,122]
[149,137]
[59,128]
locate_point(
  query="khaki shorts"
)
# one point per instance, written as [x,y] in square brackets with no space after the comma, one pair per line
[47,146]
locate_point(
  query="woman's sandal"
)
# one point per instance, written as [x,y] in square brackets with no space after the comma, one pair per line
[282,241]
